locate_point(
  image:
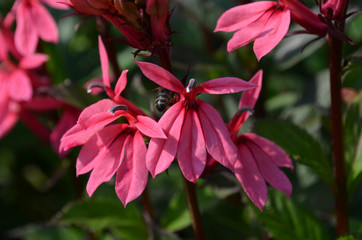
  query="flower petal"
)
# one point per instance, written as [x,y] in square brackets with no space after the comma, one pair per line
[108,164]
[247,172]
[121,83]
[161,152]
[149,127]
[191,153]
[33,61]
[161,76]
[274,31]
[270,171]
[95,149]
[104,62]
[132,175]
[56,4]
[217,138]
[44,23]
[248,98]
[279,157]
[26,37]
[225,85]
[241,16]
[16,79]
[248,33]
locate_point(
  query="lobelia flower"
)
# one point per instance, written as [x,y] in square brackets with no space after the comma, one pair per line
[192,126]
[259,158]
[33,21]
[266,23]
[109,147]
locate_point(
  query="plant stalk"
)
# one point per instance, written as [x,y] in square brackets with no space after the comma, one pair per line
[341,197]
[190,190]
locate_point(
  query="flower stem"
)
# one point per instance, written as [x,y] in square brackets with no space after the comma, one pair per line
[341,201]
[190,190]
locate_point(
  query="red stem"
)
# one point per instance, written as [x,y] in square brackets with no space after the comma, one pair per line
[190,190]
[341,197]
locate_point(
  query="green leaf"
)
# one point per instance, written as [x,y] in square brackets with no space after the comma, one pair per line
[299,145]
[286,219]
[97,214]
[54,233]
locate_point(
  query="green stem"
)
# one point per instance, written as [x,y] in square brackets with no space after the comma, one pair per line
[190,190]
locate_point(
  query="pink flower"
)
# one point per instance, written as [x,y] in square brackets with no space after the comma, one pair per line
[259,159]
[111,148]
[33,21]
[264,22]
[192,126]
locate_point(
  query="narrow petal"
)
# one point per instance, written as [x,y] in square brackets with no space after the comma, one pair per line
[104,62]
[26,37]
[132,175]
[161,76]
[3,48]
[121,83]
[149,127]
[247,172]
[248,33]
[108,165]
[248,98]
[274,31]
[217,138]
[94,150]
[56,4]
[8,113]
[270,171]
[241,16]
[44,23]
[225,85]
[191,153]
[279,157]
[161,152]
[20,88]
[33,61]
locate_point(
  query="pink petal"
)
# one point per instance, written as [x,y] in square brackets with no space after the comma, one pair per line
[33,61]
[270,171]
[217,138]
[191,153]
[248,33]
[279,157]
[121,83]
[225,85]
[108,165]
[20,88]
[68,119]
[274,31]
[161,152]
[241,16]
[56,4]
[161,76]
[95,149]
[44,23]
[104,62]
[149,127]
[26,37]
[248,98]
[3,48]
[132,175]
[89,123]
[247,172]
[9,113]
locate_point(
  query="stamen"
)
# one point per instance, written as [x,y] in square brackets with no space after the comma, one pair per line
[95,84]
[246,108]
[191,85]
[118,107]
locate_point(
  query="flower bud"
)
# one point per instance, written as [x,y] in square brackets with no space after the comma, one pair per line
[93,7]
[337,7]
[130,11]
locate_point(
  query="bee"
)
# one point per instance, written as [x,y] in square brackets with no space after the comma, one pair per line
[164,99]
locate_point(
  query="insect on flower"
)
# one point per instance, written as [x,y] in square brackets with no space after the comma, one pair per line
[164,99]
